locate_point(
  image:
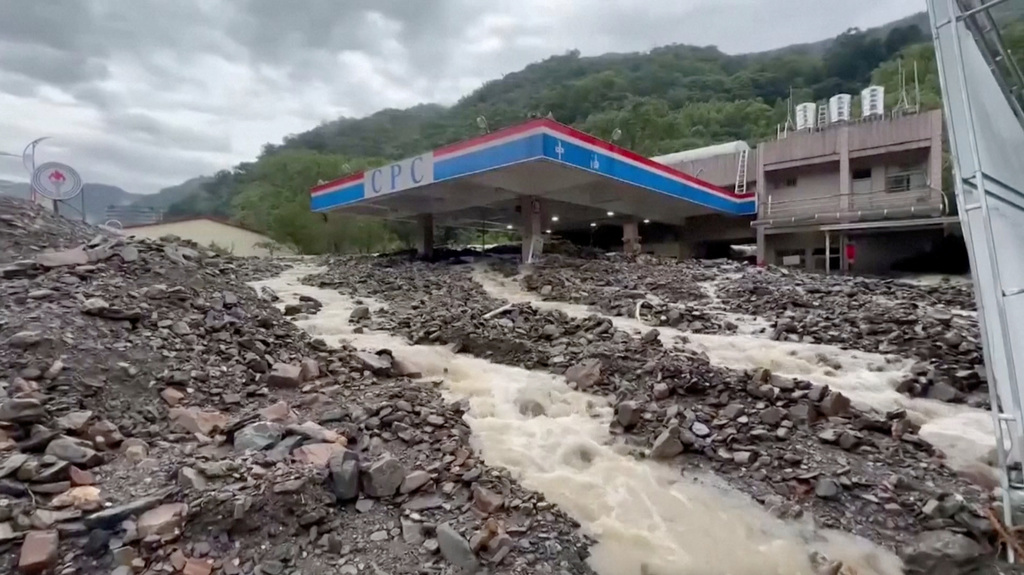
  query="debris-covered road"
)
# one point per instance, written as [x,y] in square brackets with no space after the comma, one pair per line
[158,415]
[167,409]
[803,449]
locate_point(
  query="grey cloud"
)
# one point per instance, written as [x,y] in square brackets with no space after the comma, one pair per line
[164,90]
[135,127]
[50,65]
[17,85]
[60,25]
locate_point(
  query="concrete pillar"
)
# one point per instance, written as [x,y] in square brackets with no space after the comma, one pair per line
[828,253]
[425,238]
[935,156]
[762,247]
[631,238]
[685,247]
[845,177]
[532,232]
[844,264]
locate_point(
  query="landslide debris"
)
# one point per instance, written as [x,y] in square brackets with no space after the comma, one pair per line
[800,449]
[158,415]
[933,324]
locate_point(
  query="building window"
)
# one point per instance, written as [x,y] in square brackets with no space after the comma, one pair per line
[862,174]
[906,181]
[790,182]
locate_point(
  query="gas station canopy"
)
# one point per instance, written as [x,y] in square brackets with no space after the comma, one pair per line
[480,182]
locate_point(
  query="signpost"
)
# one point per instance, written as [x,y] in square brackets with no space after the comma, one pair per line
[57,182]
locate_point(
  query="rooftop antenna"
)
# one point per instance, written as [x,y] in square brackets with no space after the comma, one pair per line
[789,125]
[917,90]
[902,105]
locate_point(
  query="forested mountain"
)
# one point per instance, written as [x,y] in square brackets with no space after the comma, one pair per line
[668,99]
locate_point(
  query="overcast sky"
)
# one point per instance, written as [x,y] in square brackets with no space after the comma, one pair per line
[144,94]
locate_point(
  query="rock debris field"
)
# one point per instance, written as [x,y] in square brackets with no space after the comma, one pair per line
[164,410]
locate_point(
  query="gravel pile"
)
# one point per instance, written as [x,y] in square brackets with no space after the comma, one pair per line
[932,324]
[800,449]
[157,415]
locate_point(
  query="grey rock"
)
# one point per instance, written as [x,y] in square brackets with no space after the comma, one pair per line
[699,429]
[628,414]
[942,553]
[772,415]
[733,411]
[584,374]
[191,479]
[827,488]
[944,507]
[284,375]
[667,445]
[12,464]
[414,481]
[835,404]
[72,451]
[22,410]
[359,312]
[344,475]
[412,532]
[661,391]
[383,477]
[258,436]
[378,363]
[455,548]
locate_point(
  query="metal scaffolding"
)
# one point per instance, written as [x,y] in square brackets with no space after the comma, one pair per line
[982,88]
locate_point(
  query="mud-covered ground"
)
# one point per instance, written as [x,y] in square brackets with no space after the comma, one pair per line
[158,415]
[800,448]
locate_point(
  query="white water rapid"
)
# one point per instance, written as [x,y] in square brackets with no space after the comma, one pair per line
[964,434]
[640,512]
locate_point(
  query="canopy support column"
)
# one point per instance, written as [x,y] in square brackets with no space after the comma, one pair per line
[425,236]
[533,240]
[631,238]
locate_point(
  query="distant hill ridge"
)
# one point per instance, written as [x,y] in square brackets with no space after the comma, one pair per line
[97,197]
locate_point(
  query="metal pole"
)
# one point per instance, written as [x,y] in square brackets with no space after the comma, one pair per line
[828,253]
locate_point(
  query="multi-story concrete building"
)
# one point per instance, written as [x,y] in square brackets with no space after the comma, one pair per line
[867,193]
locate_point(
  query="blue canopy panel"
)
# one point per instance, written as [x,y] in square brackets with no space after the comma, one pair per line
[544,141]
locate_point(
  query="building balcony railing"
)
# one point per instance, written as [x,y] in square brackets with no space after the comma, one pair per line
[862,206]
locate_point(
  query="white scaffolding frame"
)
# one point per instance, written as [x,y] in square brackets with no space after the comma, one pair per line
[981,87]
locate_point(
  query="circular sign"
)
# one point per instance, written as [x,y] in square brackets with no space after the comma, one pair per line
[56,181]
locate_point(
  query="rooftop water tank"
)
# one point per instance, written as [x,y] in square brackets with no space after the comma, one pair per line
[840,108]
[806,116]
[872,101]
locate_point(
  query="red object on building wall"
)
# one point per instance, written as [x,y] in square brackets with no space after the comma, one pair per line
[851,251]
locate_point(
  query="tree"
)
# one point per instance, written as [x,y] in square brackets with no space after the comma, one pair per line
[669,99]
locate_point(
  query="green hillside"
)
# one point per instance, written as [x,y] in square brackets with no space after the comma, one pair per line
[668,99]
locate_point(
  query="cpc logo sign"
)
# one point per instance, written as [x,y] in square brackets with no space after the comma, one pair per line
[408,173]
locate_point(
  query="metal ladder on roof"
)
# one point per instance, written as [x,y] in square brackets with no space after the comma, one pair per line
[741,173]
[981,75]
[822,115]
